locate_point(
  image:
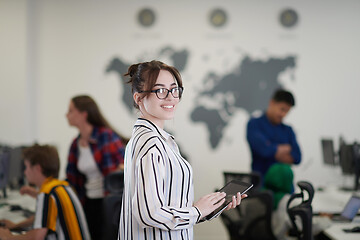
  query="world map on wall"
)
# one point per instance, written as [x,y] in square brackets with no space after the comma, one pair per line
[248,86]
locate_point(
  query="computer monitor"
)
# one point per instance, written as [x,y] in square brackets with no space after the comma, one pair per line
[328,151]
[16,168]
[352,207]
[356,151]
[350,210]
[346,159]
[4,168]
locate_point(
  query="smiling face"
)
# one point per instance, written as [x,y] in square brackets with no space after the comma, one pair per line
[158,110]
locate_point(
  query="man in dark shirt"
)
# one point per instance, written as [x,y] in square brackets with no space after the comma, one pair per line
[271,140]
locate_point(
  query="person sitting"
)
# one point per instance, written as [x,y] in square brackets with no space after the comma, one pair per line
[59,213]
[279,179]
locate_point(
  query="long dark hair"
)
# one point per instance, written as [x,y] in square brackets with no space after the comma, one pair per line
[85,103]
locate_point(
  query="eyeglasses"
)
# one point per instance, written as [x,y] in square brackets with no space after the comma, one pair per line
[163,93]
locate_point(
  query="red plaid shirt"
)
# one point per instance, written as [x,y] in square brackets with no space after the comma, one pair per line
[108,151]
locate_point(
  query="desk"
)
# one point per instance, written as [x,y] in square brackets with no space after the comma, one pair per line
[335,232]
[333,200]
[15,198]
[330,200]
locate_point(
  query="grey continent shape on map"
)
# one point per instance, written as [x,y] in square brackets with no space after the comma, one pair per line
[250,84]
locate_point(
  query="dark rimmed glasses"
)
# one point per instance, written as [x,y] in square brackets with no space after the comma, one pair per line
[163,93]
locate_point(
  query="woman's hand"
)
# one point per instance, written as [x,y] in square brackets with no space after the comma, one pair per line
[120,167]
[7,224]
[5,234]
[210,202]
[236,200]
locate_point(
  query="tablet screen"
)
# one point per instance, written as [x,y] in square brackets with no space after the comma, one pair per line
[231,189]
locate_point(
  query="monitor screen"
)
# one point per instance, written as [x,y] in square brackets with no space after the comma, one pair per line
[4,166]
[328,151]
[16,168]
[346,159]
[352,207]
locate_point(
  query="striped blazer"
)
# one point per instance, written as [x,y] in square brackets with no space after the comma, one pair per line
[59,210]
[158,188]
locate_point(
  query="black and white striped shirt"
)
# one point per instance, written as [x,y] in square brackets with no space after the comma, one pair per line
[158,191]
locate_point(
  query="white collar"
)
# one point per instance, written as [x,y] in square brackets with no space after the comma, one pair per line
[147,123]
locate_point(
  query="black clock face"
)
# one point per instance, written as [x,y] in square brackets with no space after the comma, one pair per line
[146,17]
[218,17]
[288,18]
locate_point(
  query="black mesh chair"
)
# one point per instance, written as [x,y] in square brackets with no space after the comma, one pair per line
[251,177]
[301,229]
[251,220]
[114,184]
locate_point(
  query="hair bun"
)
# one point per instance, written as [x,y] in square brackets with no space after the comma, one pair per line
[133,70]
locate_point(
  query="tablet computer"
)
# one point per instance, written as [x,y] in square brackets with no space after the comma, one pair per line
[231,189]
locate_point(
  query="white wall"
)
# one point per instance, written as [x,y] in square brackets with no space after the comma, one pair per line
[16,124]
[53,50]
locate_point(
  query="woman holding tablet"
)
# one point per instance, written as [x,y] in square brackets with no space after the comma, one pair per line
[158,190]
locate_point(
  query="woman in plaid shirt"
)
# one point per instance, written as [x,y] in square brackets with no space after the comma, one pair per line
[94,153]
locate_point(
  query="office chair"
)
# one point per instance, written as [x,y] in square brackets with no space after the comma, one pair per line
[250,177]
[251,220]
[302,211]
[114,184]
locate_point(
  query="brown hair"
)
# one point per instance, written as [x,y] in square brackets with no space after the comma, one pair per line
[85,103]
[44,155]
[143,76]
